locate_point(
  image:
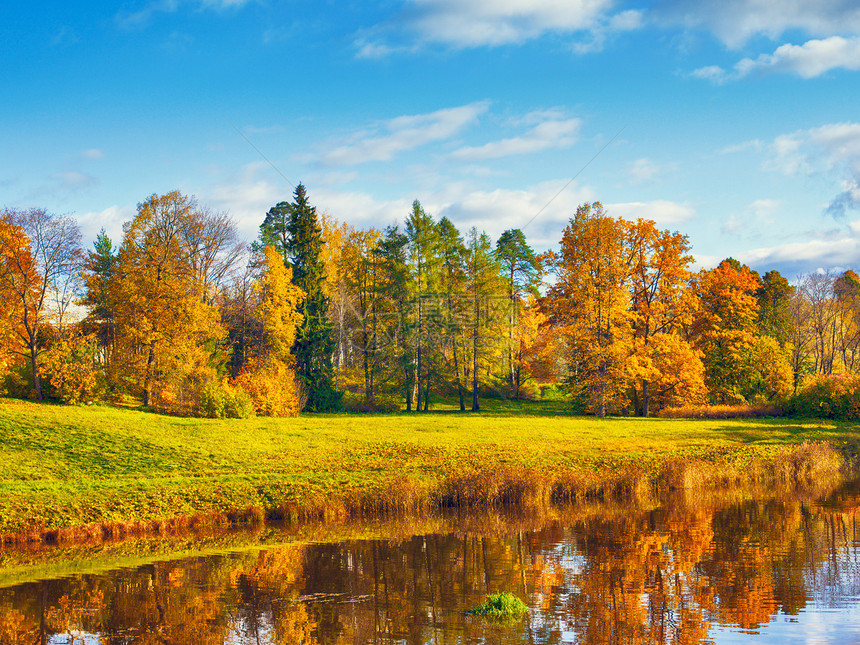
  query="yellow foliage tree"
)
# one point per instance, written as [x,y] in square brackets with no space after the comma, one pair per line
[269,376]
[168,333]
[663,304]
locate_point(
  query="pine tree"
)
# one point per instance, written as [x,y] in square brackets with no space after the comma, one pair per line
[99,267]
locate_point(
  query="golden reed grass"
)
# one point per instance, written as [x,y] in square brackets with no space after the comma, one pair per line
[810,464]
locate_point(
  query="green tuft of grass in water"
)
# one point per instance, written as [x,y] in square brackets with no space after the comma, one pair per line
[501,605]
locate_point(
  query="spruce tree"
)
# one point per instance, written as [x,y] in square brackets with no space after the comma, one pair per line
[294,230]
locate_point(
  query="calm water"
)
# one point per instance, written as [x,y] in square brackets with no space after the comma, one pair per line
[778,571]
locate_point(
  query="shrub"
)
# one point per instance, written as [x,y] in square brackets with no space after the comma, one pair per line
[720,412]
[833,396]
[223,401]
[70,369]
[272,387]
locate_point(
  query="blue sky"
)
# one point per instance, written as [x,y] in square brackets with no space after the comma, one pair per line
[735,122]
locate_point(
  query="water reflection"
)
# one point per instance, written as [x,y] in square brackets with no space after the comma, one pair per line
[757,571]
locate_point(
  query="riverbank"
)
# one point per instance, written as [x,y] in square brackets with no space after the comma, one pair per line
[77,473]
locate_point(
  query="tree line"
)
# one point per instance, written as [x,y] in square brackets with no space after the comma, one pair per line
[185,317]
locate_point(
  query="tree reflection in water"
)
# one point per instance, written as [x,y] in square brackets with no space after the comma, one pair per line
[669,575]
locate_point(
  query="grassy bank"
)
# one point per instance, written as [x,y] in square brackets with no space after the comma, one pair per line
[115,470]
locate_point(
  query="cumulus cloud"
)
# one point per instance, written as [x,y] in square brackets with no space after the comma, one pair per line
[388,139]
[813,58]
[664,213]
[552,133]
[734,22]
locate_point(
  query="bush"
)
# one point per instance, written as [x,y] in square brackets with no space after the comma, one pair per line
[720,412]
[272,387]
[833,396]
[222,401]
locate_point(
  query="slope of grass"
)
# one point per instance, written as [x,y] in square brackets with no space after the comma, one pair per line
[63,467]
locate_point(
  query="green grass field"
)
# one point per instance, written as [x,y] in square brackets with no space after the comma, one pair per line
[63,467]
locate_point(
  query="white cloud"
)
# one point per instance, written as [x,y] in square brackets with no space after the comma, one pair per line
[736,21]
[388,139]
[813,58]
[757,215]
[713,73]
[755,144]
[841,141]
[549,134]
[497,210]
[664,213]
[248,196]
[763,209]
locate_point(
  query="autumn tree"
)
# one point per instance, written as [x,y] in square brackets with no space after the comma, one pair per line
[169,331]
[589,302]
[269,376]
[725,326]
[361,273]
[341,310]
[817,291]
[846,291]
[663,304]
[38,274]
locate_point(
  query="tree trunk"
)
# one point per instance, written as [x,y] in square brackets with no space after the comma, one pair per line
[475,406]
[150,373]
[34,364]
[646,398]
[457,373]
